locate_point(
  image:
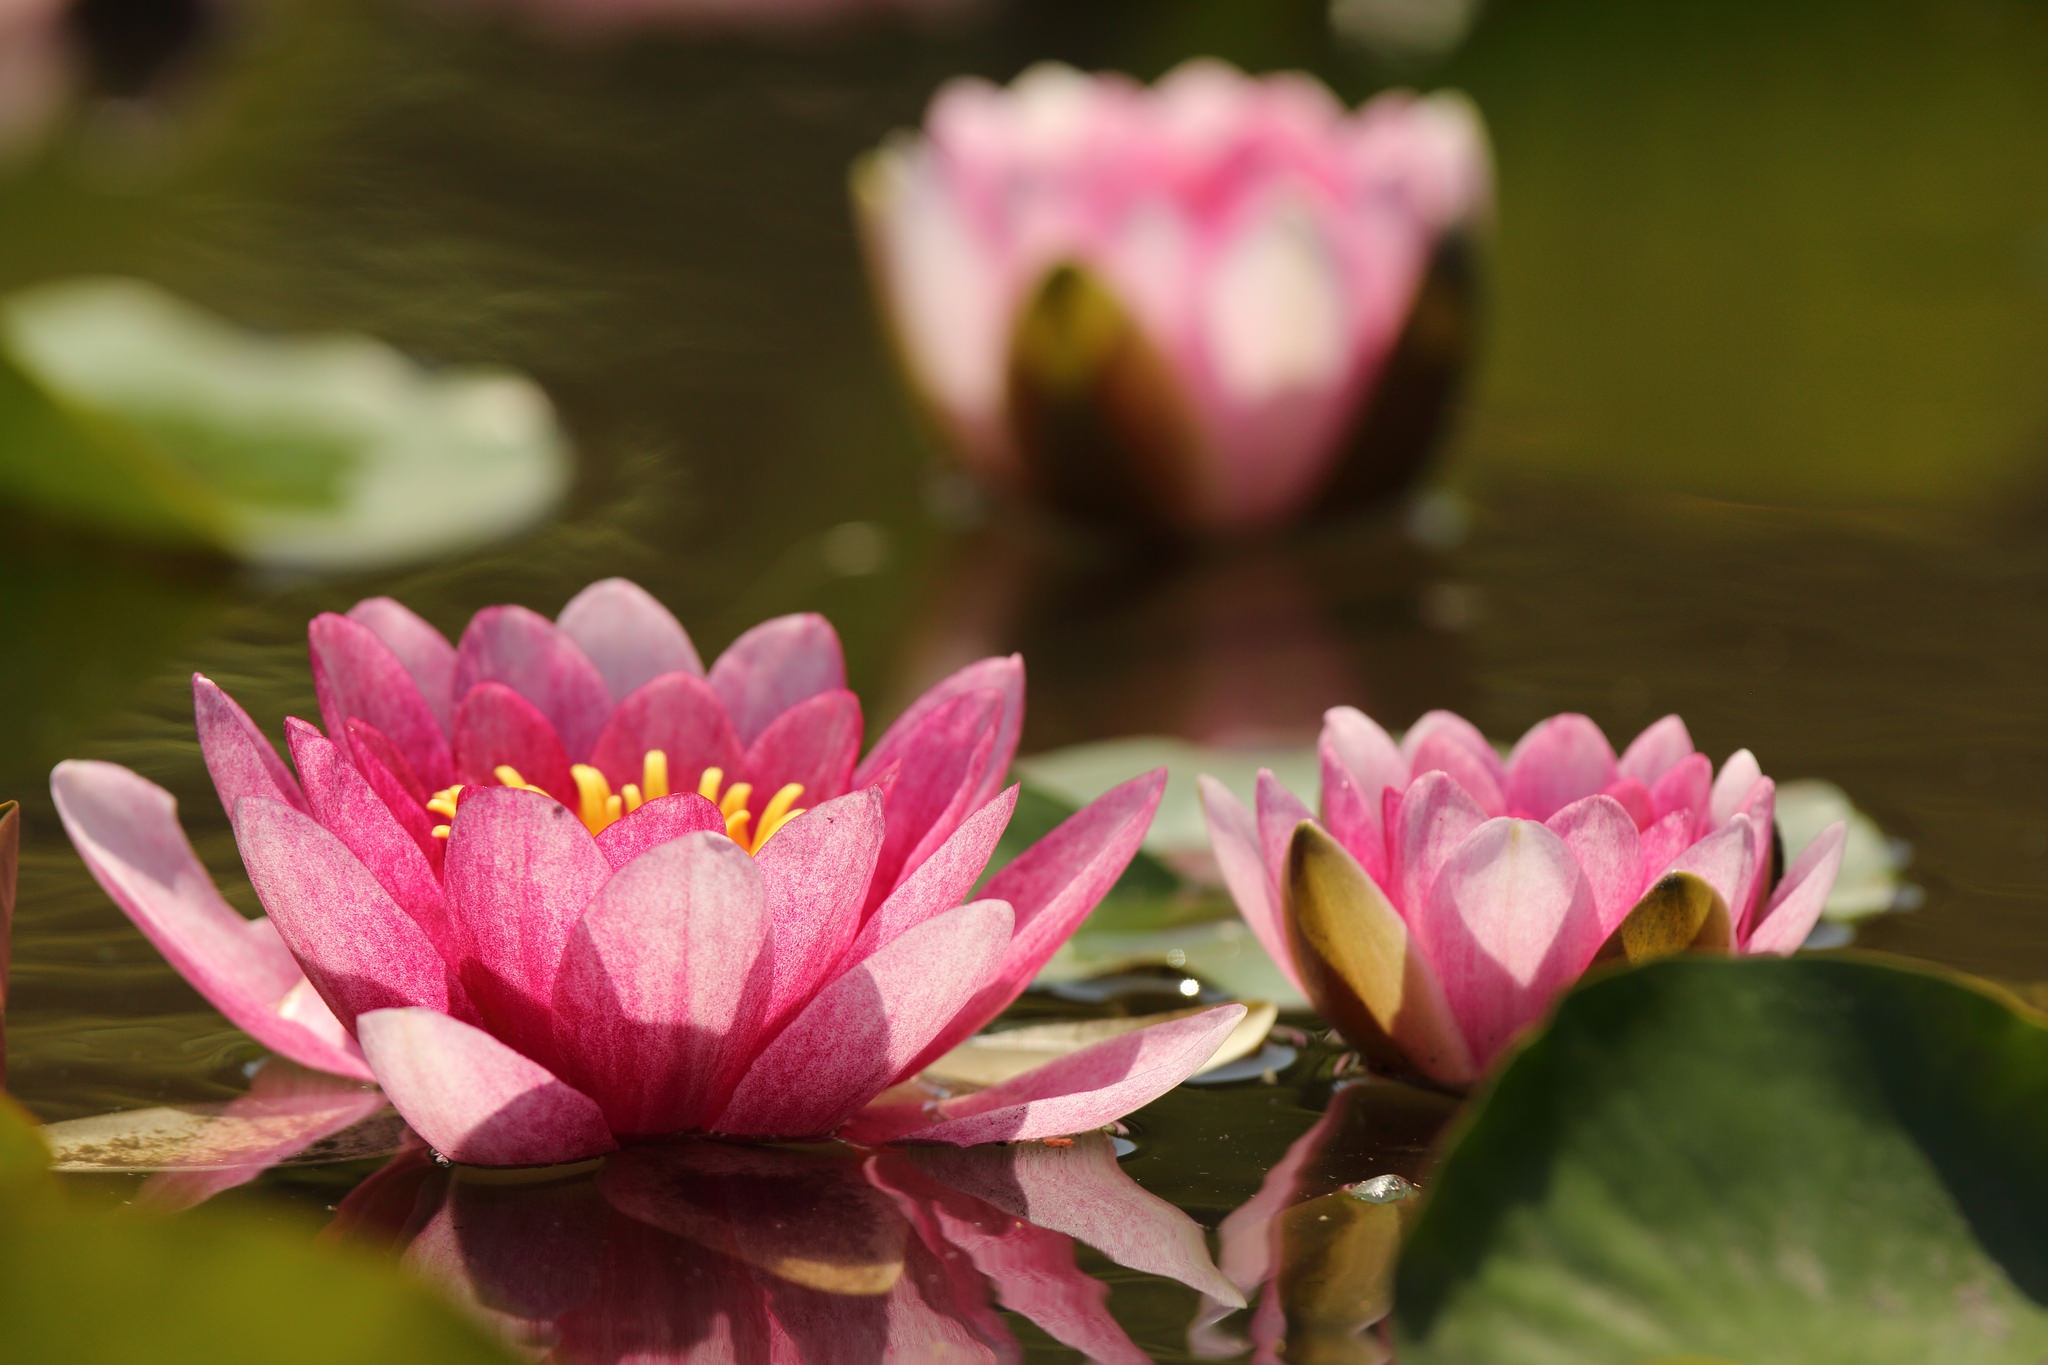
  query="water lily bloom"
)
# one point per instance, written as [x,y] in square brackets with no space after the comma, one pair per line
[560,885]
[1445,896]
[1181,304]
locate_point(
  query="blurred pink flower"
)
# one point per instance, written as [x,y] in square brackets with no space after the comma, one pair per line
[35,69]
[483,894]
[1445,896]
[1176,303]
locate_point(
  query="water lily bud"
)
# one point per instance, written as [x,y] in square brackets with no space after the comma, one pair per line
[1208,306]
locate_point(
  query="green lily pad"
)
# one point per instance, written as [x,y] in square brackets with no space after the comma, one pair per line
[128,411]
[1773,1161]
[80,1287]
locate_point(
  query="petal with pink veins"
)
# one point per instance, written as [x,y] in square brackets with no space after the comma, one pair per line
[813,744]
[630,637]
[391,778]
[1002,675]
[1444,730]
[495,727]
[1510,923]
[1052,886]
[427,656]
[1234,838]
[941,881]
[864,1030]
[665,985]
[1663,842]
[355,675]
[357,947]
[1559,761]
[1684,786]
[1083,1091]
[529,654]
[1602,836]
[1723,860]
[1797,903]
[816,872]
[126,829]
[238,757]
[1480,780]
[936,783]
[1352,818]
[1280,814]
[1367,752]
[677,714]
[774,666]
[474,1099]
[657,822]
[1652,753]
[1432,818]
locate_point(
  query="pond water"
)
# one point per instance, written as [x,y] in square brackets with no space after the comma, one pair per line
[1757,432]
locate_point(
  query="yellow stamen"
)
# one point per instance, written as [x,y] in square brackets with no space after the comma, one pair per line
[736,828]
[735,799]
[654,775]
[509,776]
[441,831]
[630,796]
[782,808]
[443,801]
[593,797]
[708,785]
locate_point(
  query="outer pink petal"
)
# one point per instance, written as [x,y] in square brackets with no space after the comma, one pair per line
[474,1099]
[1234,838]
[126,830]
[1082,1091]
[1559,761]
[425,652]
[774,666]
[1684,786]
[941,881]
[1511,922]
[814,744]
[358,948]
[1602,836]
[1479,778]
[816,870]
[665,985]
[1356,823]
[677,714]
[630,637]
[657,822]
[1761,808]
[863,1030]
[942,769]
[355,675]
[525,651]
[1052,886]
[1652,753]
[494,726]
[1723,860]
[392,779]
[520,871]
[1664,841]
[1436,729]
[1797,904]
[1280,814]
[1004,676]
[1432,818]
[1732,785]
[1367,752]
[238,757]
[343,802]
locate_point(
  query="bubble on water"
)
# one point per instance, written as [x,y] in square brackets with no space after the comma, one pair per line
[1381,1189]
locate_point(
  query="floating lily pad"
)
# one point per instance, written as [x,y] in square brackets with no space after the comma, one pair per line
[992,1058]
[1772,1161]
[126,410]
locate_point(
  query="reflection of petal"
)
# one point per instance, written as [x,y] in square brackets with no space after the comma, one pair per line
[992,1058]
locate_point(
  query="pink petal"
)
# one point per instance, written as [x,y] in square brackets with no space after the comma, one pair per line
[1052,886]
[1356,742]
[665,985]
[1234,838]
[1353,817]
[774,666]
[355,675]
[521,868]
[657,822]
[424,652]
[238,758]
[814,744]
[474,1099]
[677,714]
[1684,787]
[358,948]
[525,651]
[1760,807]
[1434,816]
[1652,753]
[1004,676]
[391,778]
[1801,896]
[1731,788]
[1442,741]
[863,1031]
[1602,836]
[286,1111]
[1280,813]
[1664,841]
[941,881]
[940,772]
[1723,860]
[1511,922]
[126,830]
[341,800]
[816,870]
[494,726]
[1559,761]
[630,637]
[1084,1090]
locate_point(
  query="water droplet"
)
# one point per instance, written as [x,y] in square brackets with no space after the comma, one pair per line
[1381,1189]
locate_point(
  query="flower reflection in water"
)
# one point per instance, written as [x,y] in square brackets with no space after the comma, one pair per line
[706,1251]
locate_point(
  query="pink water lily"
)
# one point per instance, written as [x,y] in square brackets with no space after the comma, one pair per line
[1444,896]
[1184,303]
[483,894]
